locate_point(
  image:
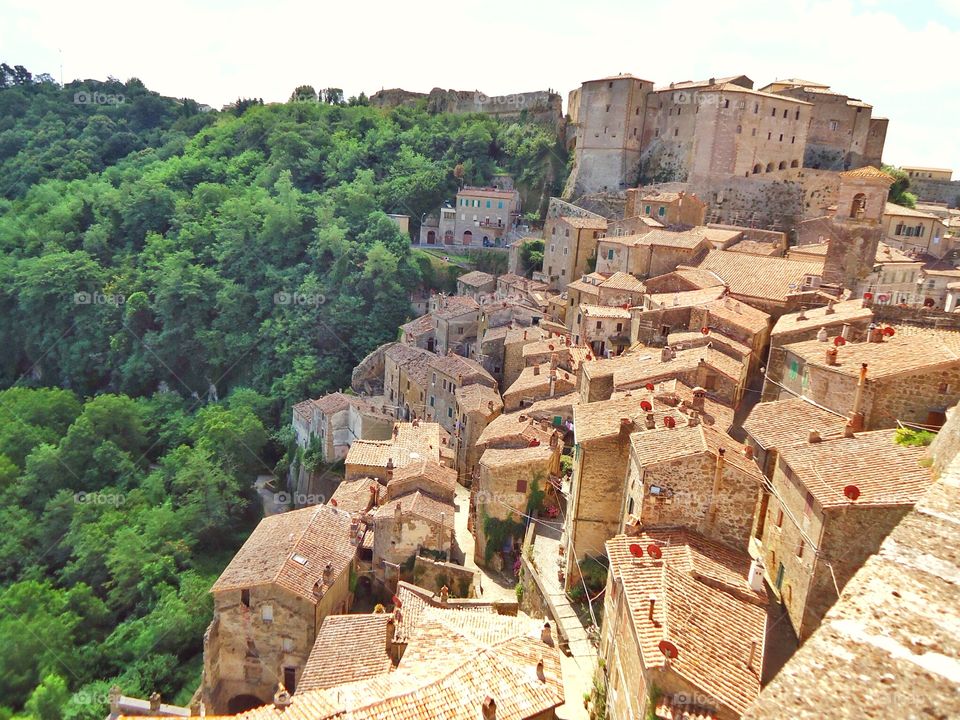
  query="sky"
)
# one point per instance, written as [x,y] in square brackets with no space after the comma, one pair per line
[901,57]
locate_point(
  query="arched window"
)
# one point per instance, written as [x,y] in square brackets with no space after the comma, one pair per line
[757,168]
[467,237]
[782,165]
[794,163]
[769,167]
[431,237]
[858,207]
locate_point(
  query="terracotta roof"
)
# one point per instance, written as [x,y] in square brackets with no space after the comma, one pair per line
[514,427]
[664,444]
[897,355]
[420,505]
[414,600]
[687,298]
[410,444]
[868,172]
[688,239]
[628,240]
[353,496]
[534,455]
[903,211]
[414,361]
[755,247]
[739,314]
[304,409]
[427,475]
[787,422]
[347,648]
[884,472]
[585,223]
[456,305]
[419,326]
[721,235]
[694,338]
[599,420]
[843,312]
[637,368]
[604,311]
[679,707]
[271,555]
[623,281]
[476,278]
[527,381]
[767,278]
[584,286]
[475,397]
[703,605]
[462,370]
[487,191]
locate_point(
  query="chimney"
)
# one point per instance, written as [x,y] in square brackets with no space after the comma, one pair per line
[856,417]
[813,437]
[694,419]
[114,697]
[536,369]
[802,315]
[876,333]
[444,594]
[327,573]
[748,452]
[822,335]
[755,576]
[554,439]
[650,421]
[282,699]
[846,331]
[489,708]
[753,653]
[666,354]
[546,636]
[626,427]
[155,703]
[717,479]
[653,602]
[374,492]
[524,334]
[829,310]
[391,635]
[713,81]
[390,464]
[541,675]
[699,399]
[832,356]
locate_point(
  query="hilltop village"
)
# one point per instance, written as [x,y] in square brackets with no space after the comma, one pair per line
[676,470]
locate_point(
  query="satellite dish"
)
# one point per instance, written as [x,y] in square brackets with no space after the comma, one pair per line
[333,502]
[668,649]
[705,330]
[636,551]
[839,340]
[646,406]
[650,387]
[852,492]
[654,552]
[669,421]
[889,331]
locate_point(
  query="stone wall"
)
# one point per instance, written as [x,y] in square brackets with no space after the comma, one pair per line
[538,106]
[945,191]
[433,574]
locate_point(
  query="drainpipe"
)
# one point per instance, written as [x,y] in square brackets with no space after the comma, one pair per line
[717,478]
[856,422]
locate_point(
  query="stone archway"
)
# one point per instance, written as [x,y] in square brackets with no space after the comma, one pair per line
[467,237]
[242,703]
[431,237]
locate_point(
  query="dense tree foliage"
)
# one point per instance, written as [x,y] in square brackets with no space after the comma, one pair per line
[171,281]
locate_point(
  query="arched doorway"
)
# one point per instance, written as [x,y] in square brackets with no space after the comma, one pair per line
[242,703]
[448,237]
[467,237]
[431,237]
[794,163]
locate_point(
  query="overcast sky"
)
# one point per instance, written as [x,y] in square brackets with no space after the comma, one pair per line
[902,57]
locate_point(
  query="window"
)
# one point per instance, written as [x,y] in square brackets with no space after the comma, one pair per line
[753,132]
[553,231]
[288,644]
[797,117]
[432,403]
[808,505]
[619,327]
[566,232]
[646,209]
[756,108]
[553,248]
[656,132]
[266,612]
[800,549]
[290,679]
[500,205]
[609,84]
[522,486]
[784,114]
[726,104]
[610,254]
[459,331]
[599,325]
[488,204]
[834,125]
[449,412]
[781,137]
[434,379]
[739,129]
[769,136]
[245,598]
[773,112]
[661,211]
[608,108]
[565,250]
[793,139]
[780,518]
[676,131]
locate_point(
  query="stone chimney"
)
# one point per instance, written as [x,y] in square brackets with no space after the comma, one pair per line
[856,423]
[489,708]
[626,427]
[390,465]
[802,315]
[444,594]
[546,635]
[846,331]
[829,310]
[650,421]
[391,635]
[748,452]
[876,334]
[652,602]
[699,399]
[374,492]
[822,334]
[831,356]
[282,699]
[328,573]
[752,655]
[813,437]
[666,354]
[717,480]
[541,675]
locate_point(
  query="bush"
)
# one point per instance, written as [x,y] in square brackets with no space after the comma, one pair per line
[913,438]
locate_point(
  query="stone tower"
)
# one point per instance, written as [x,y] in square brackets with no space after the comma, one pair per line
[855,227]
[607,117]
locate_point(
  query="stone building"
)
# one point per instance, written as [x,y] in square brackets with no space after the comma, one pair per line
[616,288]
[695,477]
[291,573]
[684,627]
[477,406]
[504,486]
[570,244]
[605,329]
[410,443]
[501,350]
[336,420]
[456,321]
[782,423]
[668,208]
[538,382]
[602,434]
[485,215]
[843,134]
[834,501]
[652,253]
[916,231]
[911,376]
[476,284]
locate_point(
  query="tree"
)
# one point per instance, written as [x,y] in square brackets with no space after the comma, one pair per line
[333,96]
[304,93]
[899,191]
